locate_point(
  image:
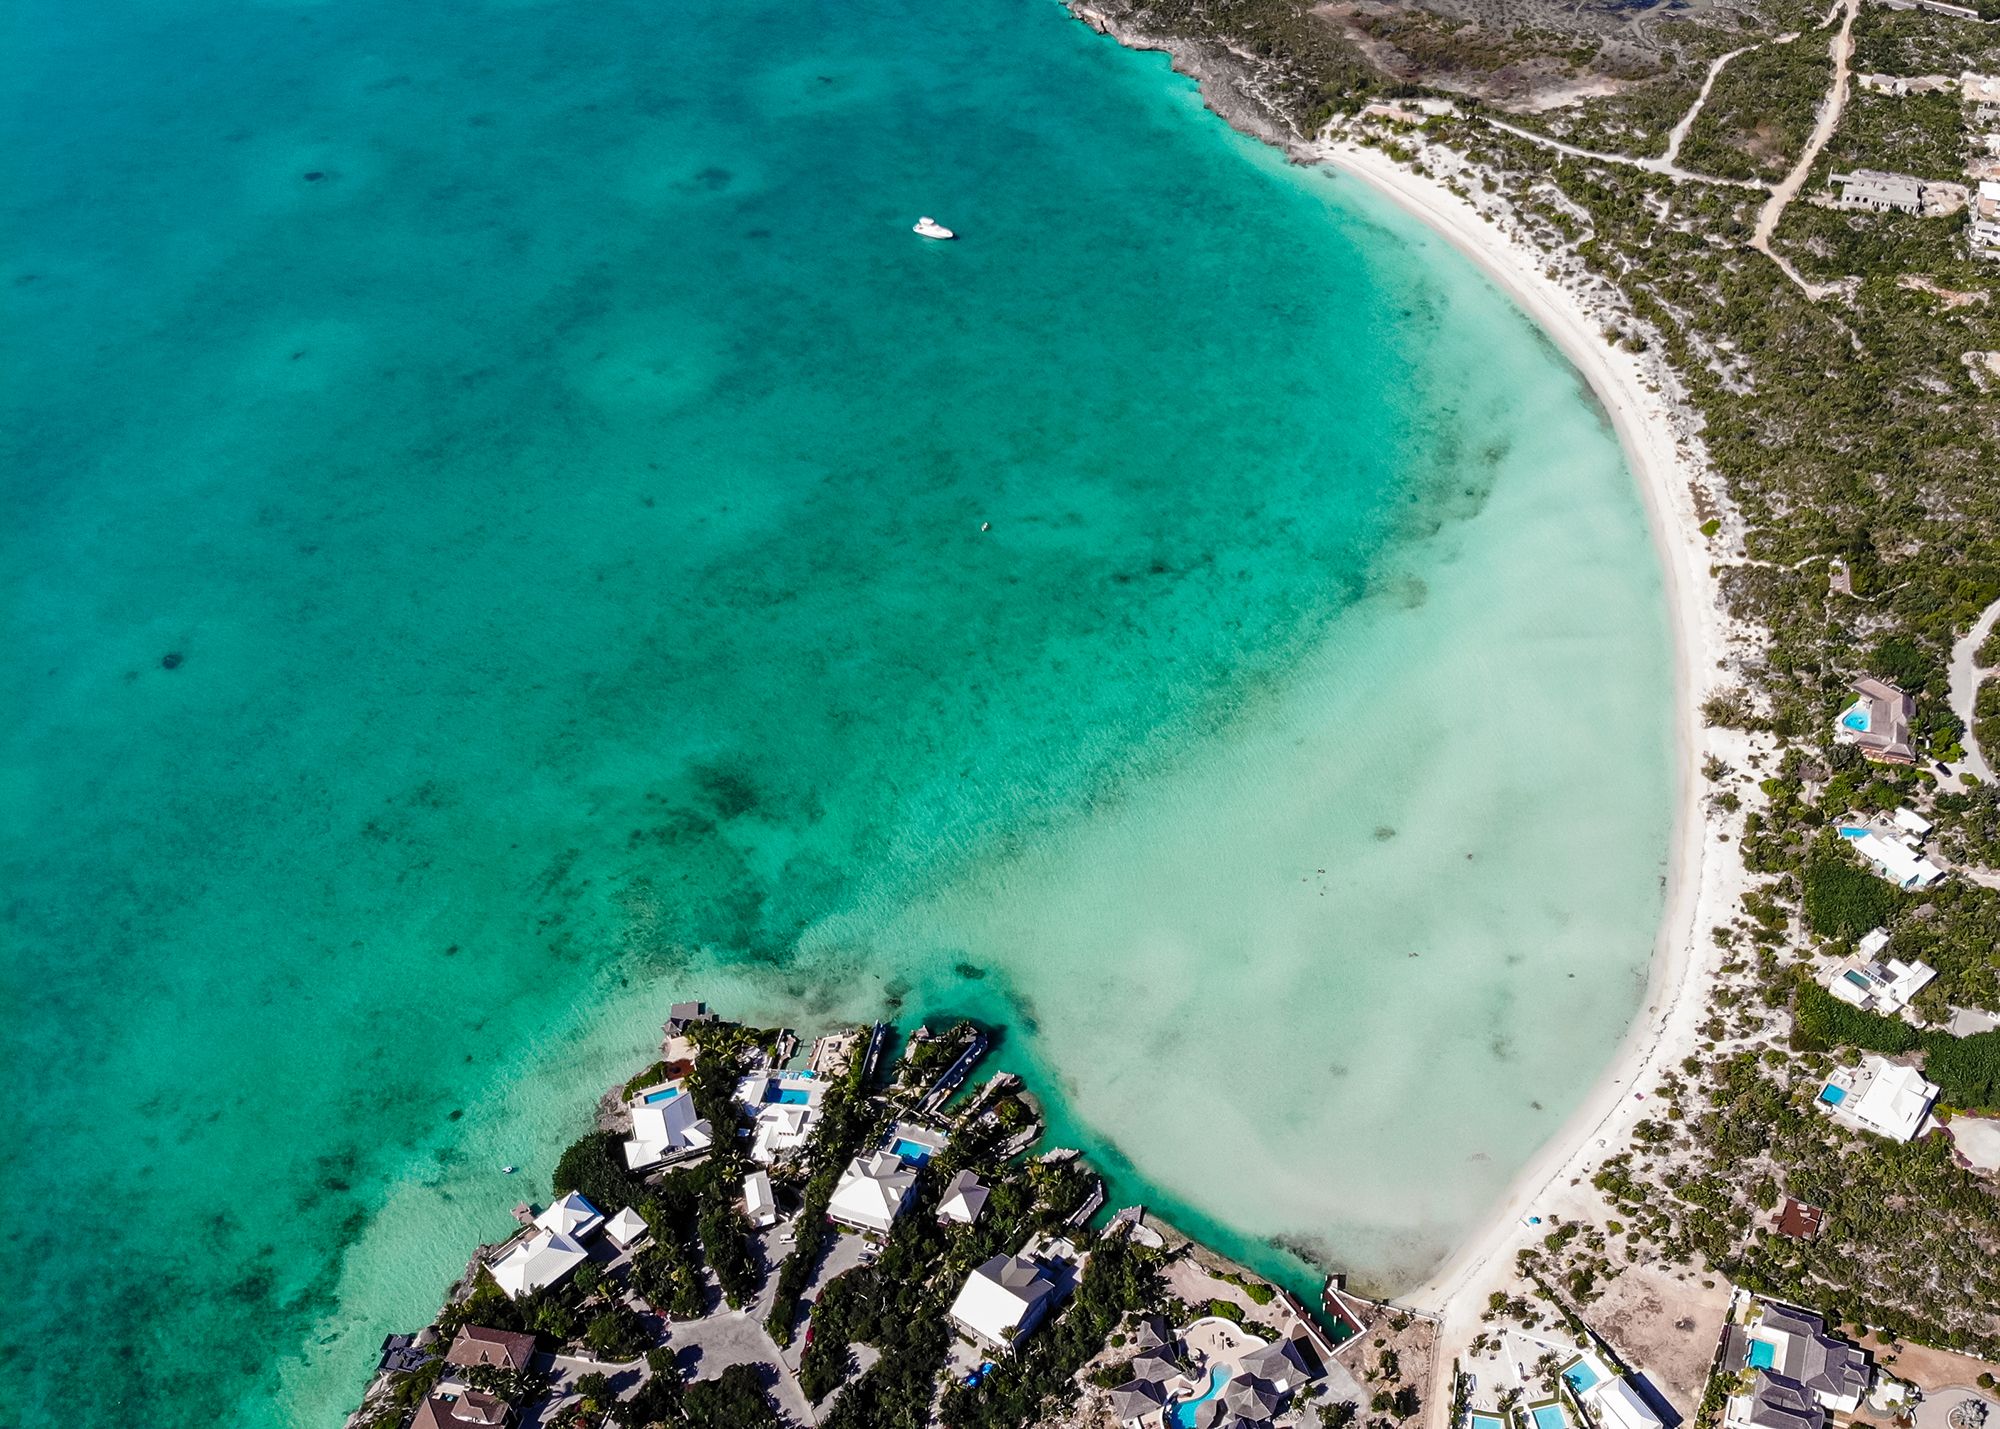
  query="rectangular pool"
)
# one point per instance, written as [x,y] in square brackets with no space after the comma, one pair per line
[911,1151]
[655,1098]
[1550,1416]
[1832,1095]
[1485,1421]
[1580,1377]
[1763,1354]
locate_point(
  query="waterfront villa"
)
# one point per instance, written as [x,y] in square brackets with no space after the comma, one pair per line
[572,1215]
[963,1199]
[1880,1096]
[784,1108]
[477,1345]
[468,1409]
[1003,1300]
[1801,1374]
[545,1258]
[665,1126]
[759,1205]
[625,1229]
[1878,723]
[1874,984]
[872,1192]
[915,1143]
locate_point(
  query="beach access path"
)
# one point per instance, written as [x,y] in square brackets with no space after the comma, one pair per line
[1705,877]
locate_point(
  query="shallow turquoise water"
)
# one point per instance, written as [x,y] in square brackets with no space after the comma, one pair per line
[557,476]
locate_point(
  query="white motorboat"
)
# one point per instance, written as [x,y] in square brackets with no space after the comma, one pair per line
[931,228]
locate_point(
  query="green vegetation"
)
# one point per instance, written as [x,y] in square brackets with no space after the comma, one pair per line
[1760,111]
[1966,1069]
[1821,1021]
[1915,42]
[1843,899]
[1921,134]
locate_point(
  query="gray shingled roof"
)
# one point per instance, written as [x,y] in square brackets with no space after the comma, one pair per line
[1821,1363]
[1253,1398]
[1139,1398]
[1780,1403]
[1155,1365]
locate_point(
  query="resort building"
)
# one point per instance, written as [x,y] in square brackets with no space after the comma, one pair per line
[759,1205]
[545,1258]
[1897,862]
[872,1192]
[1878,986]
[625,1229]
[784,1108]
[571,1215]
[1800,1373]
[468,1409]
[1003,1300]
[1878,723]
[665,1126]
[963,1199]
[1895,1101]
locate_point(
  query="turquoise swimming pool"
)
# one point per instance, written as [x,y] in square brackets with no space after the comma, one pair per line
[1579,1377]
[1856,720]
[1485,1421]
[911,1151]
[1764,1354]
[1550,1416]
[793,1096]
[654,1098]
[1182,1415]
[1832,1096]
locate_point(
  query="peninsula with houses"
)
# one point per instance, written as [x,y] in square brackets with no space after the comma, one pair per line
[865,1232]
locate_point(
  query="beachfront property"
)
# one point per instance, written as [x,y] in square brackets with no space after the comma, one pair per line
[625,1229]
[665,1127]
[784,1108]
[1877,984]
[962,1200]
[1141,1402]
[872,1192]
[572,1215]
[1878,722]
[1879,1096]
[467,1409]
[1609,1397]
[551,1251]
[1800,1373]
[1898,860]
[760,1207]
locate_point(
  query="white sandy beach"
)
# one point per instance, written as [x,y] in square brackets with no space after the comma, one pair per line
[1706,874]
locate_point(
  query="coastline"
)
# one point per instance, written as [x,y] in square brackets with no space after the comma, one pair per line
[1661,444]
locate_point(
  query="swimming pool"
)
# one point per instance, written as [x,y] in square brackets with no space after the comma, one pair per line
[911,1151]
[1763,1354]
[1832,1096]
[1856,719]
[654,1098]
[1849,831]
[794,1096]
[1858,980]
[1580,1377]
[1550,1416]
[1182,1415]
[1485,1421]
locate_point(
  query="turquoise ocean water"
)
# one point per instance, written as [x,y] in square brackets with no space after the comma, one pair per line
[494,545]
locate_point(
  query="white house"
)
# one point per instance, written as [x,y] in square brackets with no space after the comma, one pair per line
[1902,866]
[543,1259]
[1895,1102]
[963,1199]
[758,1202]
[1619,1406]
[572,1215]
[784,1107]
[664,1125]
[872,1192]
[1885,987]
[1002,1300]
[624,1229]
[1911,822]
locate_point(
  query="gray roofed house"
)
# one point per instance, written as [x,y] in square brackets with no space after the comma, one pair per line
[1881,192]
[1153,1334]
[1878,723]
[683,1015]
[1131,1403]
[1780,1403]
[1252,1397]
[1834,1371]
[1279,1363]
[1155,1364]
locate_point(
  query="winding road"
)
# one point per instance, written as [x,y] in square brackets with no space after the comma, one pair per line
[1966,675]
[1787,188]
